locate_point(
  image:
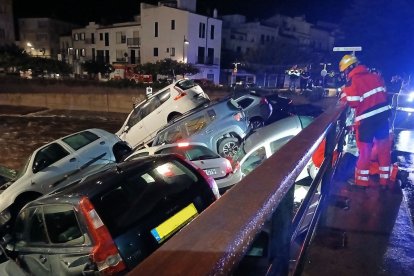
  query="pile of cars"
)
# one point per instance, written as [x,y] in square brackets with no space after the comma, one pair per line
[96,202]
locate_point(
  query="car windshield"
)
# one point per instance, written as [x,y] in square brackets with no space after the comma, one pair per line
[22,171]
[191,152]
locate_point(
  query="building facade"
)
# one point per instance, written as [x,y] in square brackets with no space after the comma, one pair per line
[41,36]
[6,23]
[167,30]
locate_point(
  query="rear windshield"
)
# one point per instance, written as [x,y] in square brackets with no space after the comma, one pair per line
[80,140]
[191,152]
[145,194]
[186,84]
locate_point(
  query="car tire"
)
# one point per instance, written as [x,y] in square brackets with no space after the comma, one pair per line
[256,123]
[228,147]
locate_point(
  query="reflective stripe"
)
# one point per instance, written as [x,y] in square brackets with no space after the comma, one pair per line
[372,113]
[363,171]
[384,169]
[364,178]
[353,98]
[384,175]
[372,92]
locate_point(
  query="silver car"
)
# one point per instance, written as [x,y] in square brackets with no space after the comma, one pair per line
[210,162]
[267,140]
[50,165]
[257,108]
[220,126]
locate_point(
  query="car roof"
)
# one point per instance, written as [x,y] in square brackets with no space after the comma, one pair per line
[283,126]
[102,180]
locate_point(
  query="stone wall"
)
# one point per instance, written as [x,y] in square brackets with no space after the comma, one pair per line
[59,96]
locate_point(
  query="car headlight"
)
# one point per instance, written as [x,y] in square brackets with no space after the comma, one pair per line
[5,216]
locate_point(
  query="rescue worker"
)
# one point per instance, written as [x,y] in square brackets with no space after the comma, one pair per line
[366,93]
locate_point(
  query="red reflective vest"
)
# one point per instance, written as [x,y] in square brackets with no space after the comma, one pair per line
[366,93]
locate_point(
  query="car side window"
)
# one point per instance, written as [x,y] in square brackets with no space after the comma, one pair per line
[48,155]
[30,227]
[80,140]
[172,135]
[277,144]
[62,224]
[164,96]
[253,161]
[149,107]
[244,103]
[135,116]
[196,124]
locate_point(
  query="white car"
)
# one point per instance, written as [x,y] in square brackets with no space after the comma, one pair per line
[213,164]
[161,108]
[48,166]
[265,141]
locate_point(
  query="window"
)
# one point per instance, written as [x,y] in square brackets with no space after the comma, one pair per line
[143,193]
[212,32]
[156,29]
[210,56]
[92,38]
[172,52]
[107,56]
[120,55]
[141,111]
[77,54]
[192,152]
[120,37]
[76,36]
[253,161]
[202,30]
[196,124]
[82,36]
[80,140]
[155,52]
[200,58]
[30,227]
[172,24]
[164,96]
[62,225]
[244,103]
[100,36]
[107,40]
[83,52]
[48,155]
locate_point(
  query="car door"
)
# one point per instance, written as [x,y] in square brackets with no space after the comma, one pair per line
[134,131]
[153,117]
[252,160]
[90,148]
[31,242]
[49,241]
[51,164]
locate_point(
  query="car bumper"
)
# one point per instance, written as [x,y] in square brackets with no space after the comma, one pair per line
[227,182]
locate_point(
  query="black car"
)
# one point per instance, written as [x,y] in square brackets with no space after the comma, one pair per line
[112,220]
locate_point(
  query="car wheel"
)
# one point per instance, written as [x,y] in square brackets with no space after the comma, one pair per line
[256,123]
[172,117]
[228,147]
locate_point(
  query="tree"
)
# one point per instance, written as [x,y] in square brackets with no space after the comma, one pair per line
[384,29]
[167,67]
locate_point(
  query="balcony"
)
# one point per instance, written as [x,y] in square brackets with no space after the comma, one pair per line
[133,42]
[207,60]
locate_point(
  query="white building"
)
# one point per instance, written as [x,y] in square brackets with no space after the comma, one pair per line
[6,22]
[167,30]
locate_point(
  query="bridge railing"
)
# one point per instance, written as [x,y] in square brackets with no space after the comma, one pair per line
[217,241]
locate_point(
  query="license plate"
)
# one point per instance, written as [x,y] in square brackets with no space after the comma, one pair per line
[174,223]
[210,171]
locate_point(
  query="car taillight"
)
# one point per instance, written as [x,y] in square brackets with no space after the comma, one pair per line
[211,182]
[181,94]
[263,100]
[238,116]
[183,144]
[229,168]
[105,254]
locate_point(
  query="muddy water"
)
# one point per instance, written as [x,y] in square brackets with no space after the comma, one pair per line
[24,130]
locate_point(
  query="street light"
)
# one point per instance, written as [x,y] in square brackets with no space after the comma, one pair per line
[185,42]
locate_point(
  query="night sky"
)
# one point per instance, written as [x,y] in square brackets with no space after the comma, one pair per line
[105,12]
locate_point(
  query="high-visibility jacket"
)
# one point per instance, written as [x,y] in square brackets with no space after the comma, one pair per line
[366,93]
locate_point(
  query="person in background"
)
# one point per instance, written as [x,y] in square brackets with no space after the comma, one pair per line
[366,93]
[294,75]
[304,79]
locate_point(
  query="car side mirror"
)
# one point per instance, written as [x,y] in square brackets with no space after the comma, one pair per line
[39,165]
[126,129]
